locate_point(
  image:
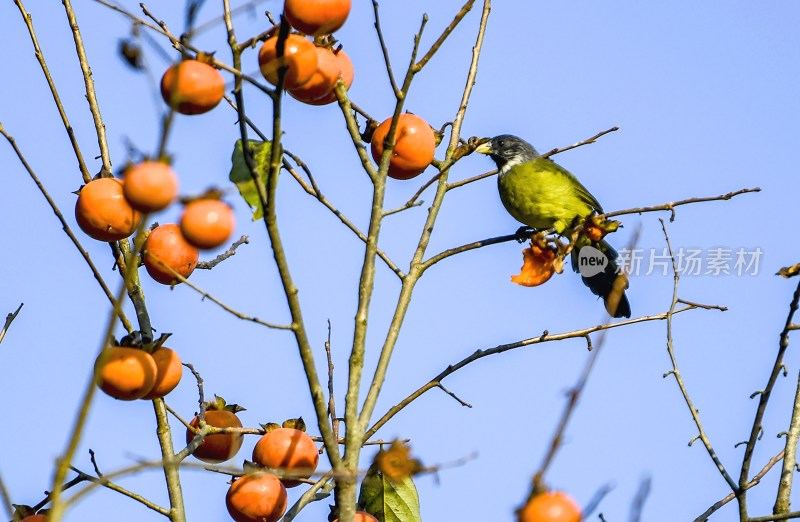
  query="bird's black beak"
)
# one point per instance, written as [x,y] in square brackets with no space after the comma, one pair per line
[484,146]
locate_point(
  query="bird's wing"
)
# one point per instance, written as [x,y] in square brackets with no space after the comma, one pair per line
[581,191]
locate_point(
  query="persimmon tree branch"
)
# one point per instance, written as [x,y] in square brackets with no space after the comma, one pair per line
[755,481]
[216,301]
[312,190]
[485,352]
[67,230]
[182,46]
[512,237]
[763,399]
[91,94]
[675,372]
[782,500]
[63,462]
[54,92]
[671,206]
[417,269]
[572,401]
[9,319]
[267,196]
[5,498]
[385,51]
[102,481]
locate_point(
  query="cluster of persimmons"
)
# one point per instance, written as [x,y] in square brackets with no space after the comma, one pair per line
[309,65]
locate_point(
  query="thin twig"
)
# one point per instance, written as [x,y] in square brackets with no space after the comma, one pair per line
[395,89]
[216,301]
[54,92]
[324,484]
[9,319]
[572,401]
[675,372]
[184,47]
[102,481]
[588,141]
[331,396]
[67,230]
[637,507]
[91,94]
[671,206]
[465,9]
[207,265]
[417,269]
[782,500]
[314,191]
[502,239]
[764,396]
[480,354]
[5,498]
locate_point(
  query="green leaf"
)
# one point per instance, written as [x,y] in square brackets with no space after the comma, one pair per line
[240,174]
[389,500]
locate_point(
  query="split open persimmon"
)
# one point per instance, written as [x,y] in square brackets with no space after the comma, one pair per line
[125,373]
[299,58]
[192,87]
[414,146]
[207,223]
[102,211]
[289,450]
[316,17]
[256,497]
[332,65]
[166,248]
[169,371]
[150,186]
[551,506]
[538,265]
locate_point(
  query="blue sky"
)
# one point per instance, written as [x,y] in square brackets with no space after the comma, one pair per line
[706,99]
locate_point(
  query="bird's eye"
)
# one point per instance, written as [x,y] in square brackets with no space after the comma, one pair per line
[501,143]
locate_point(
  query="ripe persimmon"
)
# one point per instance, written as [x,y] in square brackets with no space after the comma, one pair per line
[150,186]
[192,87]
[102,211]
[218,447]
[166,247]
[551,506]
[256,497]
[289,450]
[324,78]
[299,58]
[125,373]
[316,17]
[207,223]
[168,374]
[332,65]
[414,146]
[362,516]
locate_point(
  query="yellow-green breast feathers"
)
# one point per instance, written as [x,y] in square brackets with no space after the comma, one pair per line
[541,194]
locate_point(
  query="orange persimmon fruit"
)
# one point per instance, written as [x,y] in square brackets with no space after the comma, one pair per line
[102,211]
[166,247]
[414,147]
[125,373]
[192,87]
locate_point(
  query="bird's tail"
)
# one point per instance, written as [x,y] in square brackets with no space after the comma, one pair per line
[603,278]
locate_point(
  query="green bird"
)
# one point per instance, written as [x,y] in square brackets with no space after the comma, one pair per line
[543,195]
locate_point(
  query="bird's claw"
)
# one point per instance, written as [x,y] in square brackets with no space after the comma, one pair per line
[524,233]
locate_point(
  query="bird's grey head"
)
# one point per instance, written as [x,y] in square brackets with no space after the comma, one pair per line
[507,150]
